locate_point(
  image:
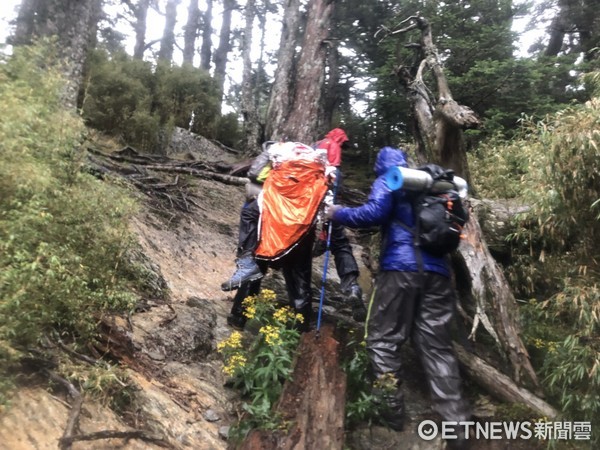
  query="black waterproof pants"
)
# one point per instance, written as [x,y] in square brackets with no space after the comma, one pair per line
[345,264]
[296,267]
[248,229]
[403,307]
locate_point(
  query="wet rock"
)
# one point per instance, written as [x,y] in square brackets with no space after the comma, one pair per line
[197,302]
[210,415]
[224,432]
[155,355]
[178,333]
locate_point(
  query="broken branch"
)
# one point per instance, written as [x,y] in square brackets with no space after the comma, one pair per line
[66,442]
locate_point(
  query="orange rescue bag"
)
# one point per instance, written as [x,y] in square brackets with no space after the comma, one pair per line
[292,194]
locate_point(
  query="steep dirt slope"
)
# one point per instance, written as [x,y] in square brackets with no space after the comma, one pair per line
[174,368]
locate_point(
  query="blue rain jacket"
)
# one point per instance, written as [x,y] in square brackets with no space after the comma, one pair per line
[386,208]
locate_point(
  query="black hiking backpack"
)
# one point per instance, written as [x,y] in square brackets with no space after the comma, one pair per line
[439,213]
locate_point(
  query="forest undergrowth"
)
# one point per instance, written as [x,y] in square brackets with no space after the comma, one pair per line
[552,166]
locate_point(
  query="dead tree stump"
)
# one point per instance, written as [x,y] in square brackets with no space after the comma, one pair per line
[312,402]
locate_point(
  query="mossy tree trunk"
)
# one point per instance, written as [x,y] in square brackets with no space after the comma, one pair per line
[281,91]
[190,32]
[167,42]
[248,98]
[301,123]
[206,48]
[221,52]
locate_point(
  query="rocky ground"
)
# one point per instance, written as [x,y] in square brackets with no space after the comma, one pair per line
[180,392]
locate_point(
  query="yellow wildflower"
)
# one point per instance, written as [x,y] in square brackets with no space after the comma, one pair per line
[268,295]
[250,300]
[234,341]
[283,315]
[250,312]
[271,335]
[386,382]
[237,361]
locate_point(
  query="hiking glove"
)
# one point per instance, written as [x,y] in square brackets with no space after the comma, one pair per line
[330,210]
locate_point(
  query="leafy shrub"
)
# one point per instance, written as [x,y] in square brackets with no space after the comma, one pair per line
[119,99]
[228,130]
[361,404]
[63,233]
[259,365]
[140,103]
[498,167]
[187,97]
[555,248]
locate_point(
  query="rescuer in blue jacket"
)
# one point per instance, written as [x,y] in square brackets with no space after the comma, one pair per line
[407,302]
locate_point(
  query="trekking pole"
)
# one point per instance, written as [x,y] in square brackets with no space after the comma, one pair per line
[326,262]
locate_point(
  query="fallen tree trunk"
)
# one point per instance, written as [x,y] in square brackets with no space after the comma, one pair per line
[501,386]
[496,221]
[205,174]
[313,401]
[495,306]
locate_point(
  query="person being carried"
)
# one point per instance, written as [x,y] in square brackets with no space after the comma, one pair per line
[410,299]
[247,269]
[292,194]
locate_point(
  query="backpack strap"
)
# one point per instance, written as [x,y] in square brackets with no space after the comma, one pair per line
[416,205]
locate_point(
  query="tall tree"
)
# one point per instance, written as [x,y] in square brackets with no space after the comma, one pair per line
[331,90]
[579,20]
[478,44]
[140,14]
[26,20]
[206,48]
[222,51]
[168,38]
[190,32]
[71,21]
[248,104]
[301,122]
[279,103]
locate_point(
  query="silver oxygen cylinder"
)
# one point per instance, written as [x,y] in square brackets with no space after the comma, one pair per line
[398,177]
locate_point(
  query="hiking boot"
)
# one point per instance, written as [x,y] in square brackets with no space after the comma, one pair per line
[461,442]
[359,312]
[390,406]
[237,322]
[247,271]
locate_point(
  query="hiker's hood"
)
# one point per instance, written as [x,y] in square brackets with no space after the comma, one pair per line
[389,157]
[337,135]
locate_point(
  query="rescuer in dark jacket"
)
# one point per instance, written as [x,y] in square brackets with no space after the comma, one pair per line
[407,302]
